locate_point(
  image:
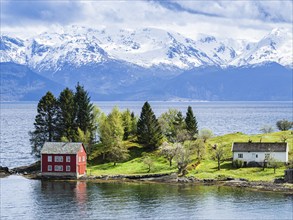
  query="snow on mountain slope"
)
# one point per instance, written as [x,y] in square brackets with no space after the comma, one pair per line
[12,50]
[221,52]
[77,46]
[150,47]
[52,51]
[275,47]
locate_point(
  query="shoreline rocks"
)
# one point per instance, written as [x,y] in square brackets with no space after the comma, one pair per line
[4,171]
[279,185]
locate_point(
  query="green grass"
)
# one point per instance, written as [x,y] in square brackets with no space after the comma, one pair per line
[133,166]
[207,169]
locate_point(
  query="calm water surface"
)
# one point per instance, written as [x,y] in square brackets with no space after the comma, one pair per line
[34,199]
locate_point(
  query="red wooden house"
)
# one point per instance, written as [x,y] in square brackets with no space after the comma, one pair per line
[60,159]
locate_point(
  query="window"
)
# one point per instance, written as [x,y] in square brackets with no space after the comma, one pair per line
[67,168]
[49,167]
[49,158]
[83,158]
[58,158]
[79,159]
[67,158]
[240,155]
[58,168]
[256,156]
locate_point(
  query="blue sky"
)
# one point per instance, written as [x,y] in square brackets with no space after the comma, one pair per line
[236,19]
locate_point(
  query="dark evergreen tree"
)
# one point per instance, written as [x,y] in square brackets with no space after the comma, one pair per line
[84,117]
[66,115]
[134,120]
[191,123]
[148,128]
[127,123]
[45,123]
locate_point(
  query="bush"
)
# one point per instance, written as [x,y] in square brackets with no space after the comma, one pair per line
[284,125]
[237,163]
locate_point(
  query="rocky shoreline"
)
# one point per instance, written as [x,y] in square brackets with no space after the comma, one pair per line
[33,172]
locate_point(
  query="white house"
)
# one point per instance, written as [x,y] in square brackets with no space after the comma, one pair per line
[259,152]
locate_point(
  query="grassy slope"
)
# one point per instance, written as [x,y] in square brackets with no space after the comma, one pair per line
[207,168]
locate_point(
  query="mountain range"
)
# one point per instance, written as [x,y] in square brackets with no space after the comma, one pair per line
[146,64]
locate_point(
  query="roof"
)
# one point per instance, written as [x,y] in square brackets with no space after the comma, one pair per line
[61,147]
[259,147]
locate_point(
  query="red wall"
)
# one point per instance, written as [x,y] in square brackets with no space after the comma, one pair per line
[81,166]
[45,162]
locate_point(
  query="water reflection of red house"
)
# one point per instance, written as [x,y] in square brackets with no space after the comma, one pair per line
[80,192]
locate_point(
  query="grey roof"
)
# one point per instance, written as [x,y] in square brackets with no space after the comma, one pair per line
[61,147]
[259,147]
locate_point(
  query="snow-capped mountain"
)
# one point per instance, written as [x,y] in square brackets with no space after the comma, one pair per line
[146,64]
[275,47]
[149,47]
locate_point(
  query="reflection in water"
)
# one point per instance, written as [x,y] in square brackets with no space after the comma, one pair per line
[33,199]
[65,194]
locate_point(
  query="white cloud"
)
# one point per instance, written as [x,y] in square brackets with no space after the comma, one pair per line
[236,19]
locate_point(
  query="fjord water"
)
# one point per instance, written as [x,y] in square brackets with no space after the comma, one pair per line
[34,199]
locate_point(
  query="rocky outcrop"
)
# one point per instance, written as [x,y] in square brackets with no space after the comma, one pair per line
[4,171]
[30,169]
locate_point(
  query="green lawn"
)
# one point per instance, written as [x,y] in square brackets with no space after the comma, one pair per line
[206,169]
[134,166]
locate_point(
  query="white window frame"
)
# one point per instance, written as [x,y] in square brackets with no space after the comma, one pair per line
[58,158]
[58,168]
[67,159]
[240,155]
[83,158]
[49,158]
[49,168]
[79,158]
[68,168]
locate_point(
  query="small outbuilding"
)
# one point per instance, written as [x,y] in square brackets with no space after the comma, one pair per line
[259,152]
[62,159]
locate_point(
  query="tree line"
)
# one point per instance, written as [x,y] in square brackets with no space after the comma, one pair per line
[70,117]
[73,118]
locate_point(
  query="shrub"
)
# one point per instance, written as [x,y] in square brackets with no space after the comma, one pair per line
[284,125]
[237,163]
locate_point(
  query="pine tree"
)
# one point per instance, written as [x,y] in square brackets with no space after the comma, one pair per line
[148,128]
[134,120]
[179,122]
[191,123]
[66,115]
[84,118]
[127,123]
[45,123]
